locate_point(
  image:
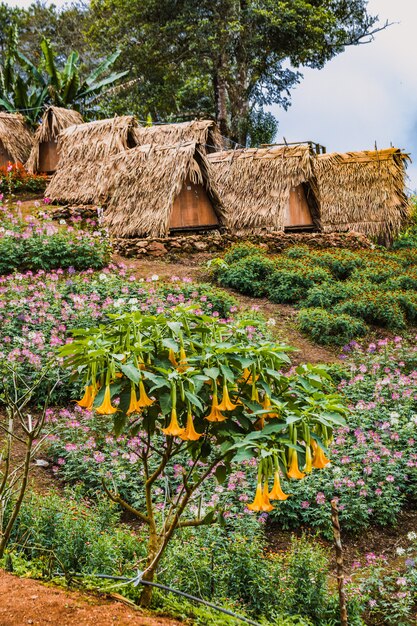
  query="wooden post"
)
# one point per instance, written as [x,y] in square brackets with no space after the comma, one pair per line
[339,565]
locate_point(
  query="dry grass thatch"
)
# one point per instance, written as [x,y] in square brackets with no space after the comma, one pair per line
[204,132]
[362,192]
[54,121]
[140,187]
[15,137]
[255,183]
[83,150]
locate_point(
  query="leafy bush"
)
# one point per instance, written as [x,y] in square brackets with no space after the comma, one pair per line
[249,275]
[341,263]
[291,285]
[330,328]
[376,307]
[241,250]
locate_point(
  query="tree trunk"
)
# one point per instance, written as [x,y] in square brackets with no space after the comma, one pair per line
[220,93]
[154,554]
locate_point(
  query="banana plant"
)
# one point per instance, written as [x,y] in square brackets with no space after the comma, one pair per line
[26,88]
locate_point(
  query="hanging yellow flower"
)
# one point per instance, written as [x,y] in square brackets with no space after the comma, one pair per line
[294,471]
[266,404]
[171,358]
[308,466]
[254,395]
[258,502]
[173,429]
[106,407]
[260,423]
[267,506]
[190,434]
[277,493]
[247,377]
[143,398]
[183,361]
[133,406]
[226,403]
[87,400]
[320,460]
[215,414]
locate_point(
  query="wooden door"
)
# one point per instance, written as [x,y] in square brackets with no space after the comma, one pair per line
[48,156]
[192,208]
[5,157]
[297,212]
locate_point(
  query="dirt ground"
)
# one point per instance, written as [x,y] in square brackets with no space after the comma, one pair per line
[25,601]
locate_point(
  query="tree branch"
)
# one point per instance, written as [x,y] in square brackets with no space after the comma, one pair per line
[119,500]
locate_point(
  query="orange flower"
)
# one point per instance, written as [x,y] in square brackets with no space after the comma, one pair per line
[308,466]
[260,423]
[173,429]
[258,502]
[171,357]
[320,460]
[106,407]
[143,398]
[183,361]
[190,434]
[266,404]
[87,400]
[215,415]
[267,506]
[277,493]
[247,377]
[226,403]
[294,472]
[133,406]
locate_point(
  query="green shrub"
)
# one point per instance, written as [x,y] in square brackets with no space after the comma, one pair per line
[329,328]
[379,308]
[240,251]
[291,285]
[341,263]
[330,293]
[249,275]
[298,252]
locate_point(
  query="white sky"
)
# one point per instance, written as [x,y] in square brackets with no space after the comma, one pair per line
[366,94]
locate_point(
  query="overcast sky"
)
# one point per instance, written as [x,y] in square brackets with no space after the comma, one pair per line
[366,94]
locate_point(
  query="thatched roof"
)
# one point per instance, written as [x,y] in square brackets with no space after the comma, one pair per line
[140,186]
[255,183]
[54,121]
[362,191]
[204,132]
[15,136]
[83,150]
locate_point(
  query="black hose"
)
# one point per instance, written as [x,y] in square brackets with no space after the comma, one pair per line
[138,580]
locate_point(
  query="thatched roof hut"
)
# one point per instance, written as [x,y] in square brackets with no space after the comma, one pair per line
[15,139]
[151,190]
[266,188]
[44,154]
[83,150]
[204,132]
[362,192]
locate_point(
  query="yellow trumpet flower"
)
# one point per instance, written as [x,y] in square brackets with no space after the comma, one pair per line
[226,403]
[266,404]
[320,460]
[215,414]
[294,471]
[143,398]
[277,493]
[171,358]
[258,502]
[133,406]
[247,377]
[254,395]
[173,429]
[87,400]
[183,361]
[308,466]
[106,407]
[190,434]
[267,505]
[260,423]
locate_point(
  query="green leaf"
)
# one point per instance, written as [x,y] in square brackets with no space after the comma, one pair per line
[131,372]
[212,372]
[221,474]
[194,399]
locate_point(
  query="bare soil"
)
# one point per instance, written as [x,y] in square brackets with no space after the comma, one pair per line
[25,601]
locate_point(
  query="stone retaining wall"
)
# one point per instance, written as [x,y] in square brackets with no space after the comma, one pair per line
[215,241]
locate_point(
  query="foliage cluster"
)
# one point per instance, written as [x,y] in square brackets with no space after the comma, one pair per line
[14,178]
[340,292]
[29,244]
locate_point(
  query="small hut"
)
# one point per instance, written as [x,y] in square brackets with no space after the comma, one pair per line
[151,191]
[266,188]
[83,150]
[15,139]
[362,192]
[44,154]
[204,132]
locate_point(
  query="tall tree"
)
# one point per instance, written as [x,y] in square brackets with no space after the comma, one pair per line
[226,58]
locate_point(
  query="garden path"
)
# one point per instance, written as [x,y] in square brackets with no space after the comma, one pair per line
[194,266]
[25,601]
